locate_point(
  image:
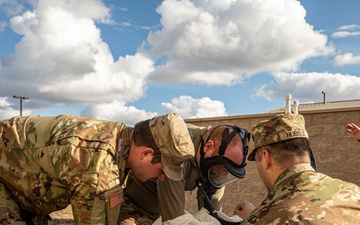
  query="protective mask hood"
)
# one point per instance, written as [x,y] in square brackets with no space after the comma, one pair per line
[219,170]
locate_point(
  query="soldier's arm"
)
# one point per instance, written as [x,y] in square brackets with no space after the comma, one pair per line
[171,195]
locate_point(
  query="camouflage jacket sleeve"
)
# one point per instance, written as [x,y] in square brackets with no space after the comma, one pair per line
[49,162]
[302,196]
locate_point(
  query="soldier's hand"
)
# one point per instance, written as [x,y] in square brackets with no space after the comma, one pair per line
[244,209]
[353,130]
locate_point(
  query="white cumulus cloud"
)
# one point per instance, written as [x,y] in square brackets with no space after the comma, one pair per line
[349,27]
[189,107]
[347,31]
[213,42]
[344,34]
[62,58]
[7,110]
[307,87]
[346,59]
[117,111]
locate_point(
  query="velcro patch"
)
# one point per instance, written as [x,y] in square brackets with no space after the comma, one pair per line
[295,134]
[116,199]
[282,136]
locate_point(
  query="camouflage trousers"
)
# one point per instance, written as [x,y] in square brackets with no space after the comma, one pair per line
[130,214]
[10,212]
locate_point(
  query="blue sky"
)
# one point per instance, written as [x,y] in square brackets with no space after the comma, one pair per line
[129,60]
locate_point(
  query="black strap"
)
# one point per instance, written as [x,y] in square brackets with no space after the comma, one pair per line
[224,142]
[312,160]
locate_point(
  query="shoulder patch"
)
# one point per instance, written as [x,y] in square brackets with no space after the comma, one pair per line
[116,199]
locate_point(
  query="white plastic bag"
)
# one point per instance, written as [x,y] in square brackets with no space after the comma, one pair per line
[201,217]
[188,219]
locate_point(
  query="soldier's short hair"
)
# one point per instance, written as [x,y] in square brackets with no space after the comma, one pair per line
[143,137]
[216,136]
[286,150]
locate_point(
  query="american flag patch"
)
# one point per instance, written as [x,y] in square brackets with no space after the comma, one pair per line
[116,199]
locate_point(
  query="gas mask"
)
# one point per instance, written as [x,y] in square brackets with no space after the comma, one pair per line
[219,170]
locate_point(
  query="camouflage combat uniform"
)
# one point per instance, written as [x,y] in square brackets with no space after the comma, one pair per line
[47,163]
[302,196]
[146,201]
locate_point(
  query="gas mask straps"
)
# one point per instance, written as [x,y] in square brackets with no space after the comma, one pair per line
[219,170]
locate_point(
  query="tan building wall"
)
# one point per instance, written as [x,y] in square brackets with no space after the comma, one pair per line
[337,154]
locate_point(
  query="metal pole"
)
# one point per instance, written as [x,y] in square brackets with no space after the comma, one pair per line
[21,106]
[21,98]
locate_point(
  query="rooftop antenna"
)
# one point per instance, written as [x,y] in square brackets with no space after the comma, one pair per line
[288,106]
[295,107]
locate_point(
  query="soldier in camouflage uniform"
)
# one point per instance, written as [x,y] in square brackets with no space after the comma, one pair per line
[47,163]
[144,202]
[297,193]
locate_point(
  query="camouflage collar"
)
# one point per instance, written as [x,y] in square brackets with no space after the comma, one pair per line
[290,172]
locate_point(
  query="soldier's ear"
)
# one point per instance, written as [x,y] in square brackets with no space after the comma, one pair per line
[209,146]
[266,159]
[146,152]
